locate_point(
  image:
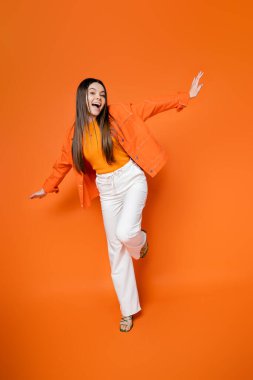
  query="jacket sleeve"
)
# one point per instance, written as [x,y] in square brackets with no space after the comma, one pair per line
[61,167]
[151,107]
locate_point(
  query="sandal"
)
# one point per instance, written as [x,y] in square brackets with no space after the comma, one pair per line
[126,321]
[144,249]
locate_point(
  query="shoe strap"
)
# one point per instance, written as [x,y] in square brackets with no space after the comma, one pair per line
[129,317]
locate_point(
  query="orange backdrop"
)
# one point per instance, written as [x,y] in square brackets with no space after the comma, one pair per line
[59,311]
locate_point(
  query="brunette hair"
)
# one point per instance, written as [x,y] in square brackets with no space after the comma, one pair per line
[81,125]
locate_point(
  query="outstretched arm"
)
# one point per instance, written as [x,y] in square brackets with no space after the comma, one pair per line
[151,107]
[62,165]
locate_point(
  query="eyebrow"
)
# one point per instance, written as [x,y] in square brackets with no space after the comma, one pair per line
[92,88]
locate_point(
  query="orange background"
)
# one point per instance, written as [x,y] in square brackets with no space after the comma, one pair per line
[59,312]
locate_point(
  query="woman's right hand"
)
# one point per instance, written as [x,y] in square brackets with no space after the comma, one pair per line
[39,194]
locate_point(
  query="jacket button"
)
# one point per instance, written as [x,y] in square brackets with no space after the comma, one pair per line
[136,157]
[122,139]
[151,170]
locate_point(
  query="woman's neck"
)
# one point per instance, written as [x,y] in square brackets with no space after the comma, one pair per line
[92,118]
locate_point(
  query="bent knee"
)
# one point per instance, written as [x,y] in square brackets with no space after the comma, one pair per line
[123,234]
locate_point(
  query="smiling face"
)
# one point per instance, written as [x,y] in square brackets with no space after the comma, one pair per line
[95,99]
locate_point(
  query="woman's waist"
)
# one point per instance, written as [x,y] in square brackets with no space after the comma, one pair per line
[117,171]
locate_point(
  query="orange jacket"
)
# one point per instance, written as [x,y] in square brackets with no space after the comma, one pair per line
[133,135]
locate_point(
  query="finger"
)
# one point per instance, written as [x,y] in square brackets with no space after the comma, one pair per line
[199,78]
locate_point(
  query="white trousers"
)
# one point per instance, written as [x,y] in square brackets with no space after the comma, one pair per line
[123,195]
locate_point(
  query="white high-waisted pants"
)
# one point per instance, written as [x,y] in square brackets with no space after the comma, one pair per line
[123,195]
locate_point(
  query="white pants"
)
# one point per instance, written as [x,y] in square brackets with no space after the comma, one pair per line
[123,195]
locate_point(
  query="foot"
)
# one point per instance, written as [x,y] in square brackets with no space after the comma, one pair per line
[144,249]
[126,323]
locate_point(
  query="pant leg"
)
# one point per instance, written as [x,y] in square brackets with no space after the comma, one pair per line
[122,269]
[129,221]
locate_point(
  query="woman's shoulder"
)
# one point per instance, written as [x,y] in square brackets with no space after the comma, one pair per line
[120,109]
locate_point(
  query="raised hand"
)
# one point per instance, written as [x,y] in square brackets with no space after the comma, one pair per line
[195,87]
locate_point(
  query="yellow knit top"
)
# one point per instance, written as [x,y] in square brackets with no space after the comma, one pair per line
[92,150]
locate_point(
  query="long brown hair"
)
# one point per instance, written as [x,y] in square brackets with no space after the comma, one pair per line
[81,125]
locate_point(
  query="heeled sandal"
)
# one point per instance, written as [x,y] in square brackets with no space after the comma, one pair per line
[144,249]
[125,322]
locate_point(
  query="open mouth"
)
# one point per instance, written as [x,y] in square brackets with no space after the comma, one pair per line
[96,105]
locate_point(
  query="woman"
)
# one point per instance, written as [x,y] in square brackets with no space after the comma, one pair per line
[110,148]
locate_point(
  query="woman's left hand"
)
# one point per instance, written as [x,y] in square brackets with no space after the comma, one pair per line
[195,88]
